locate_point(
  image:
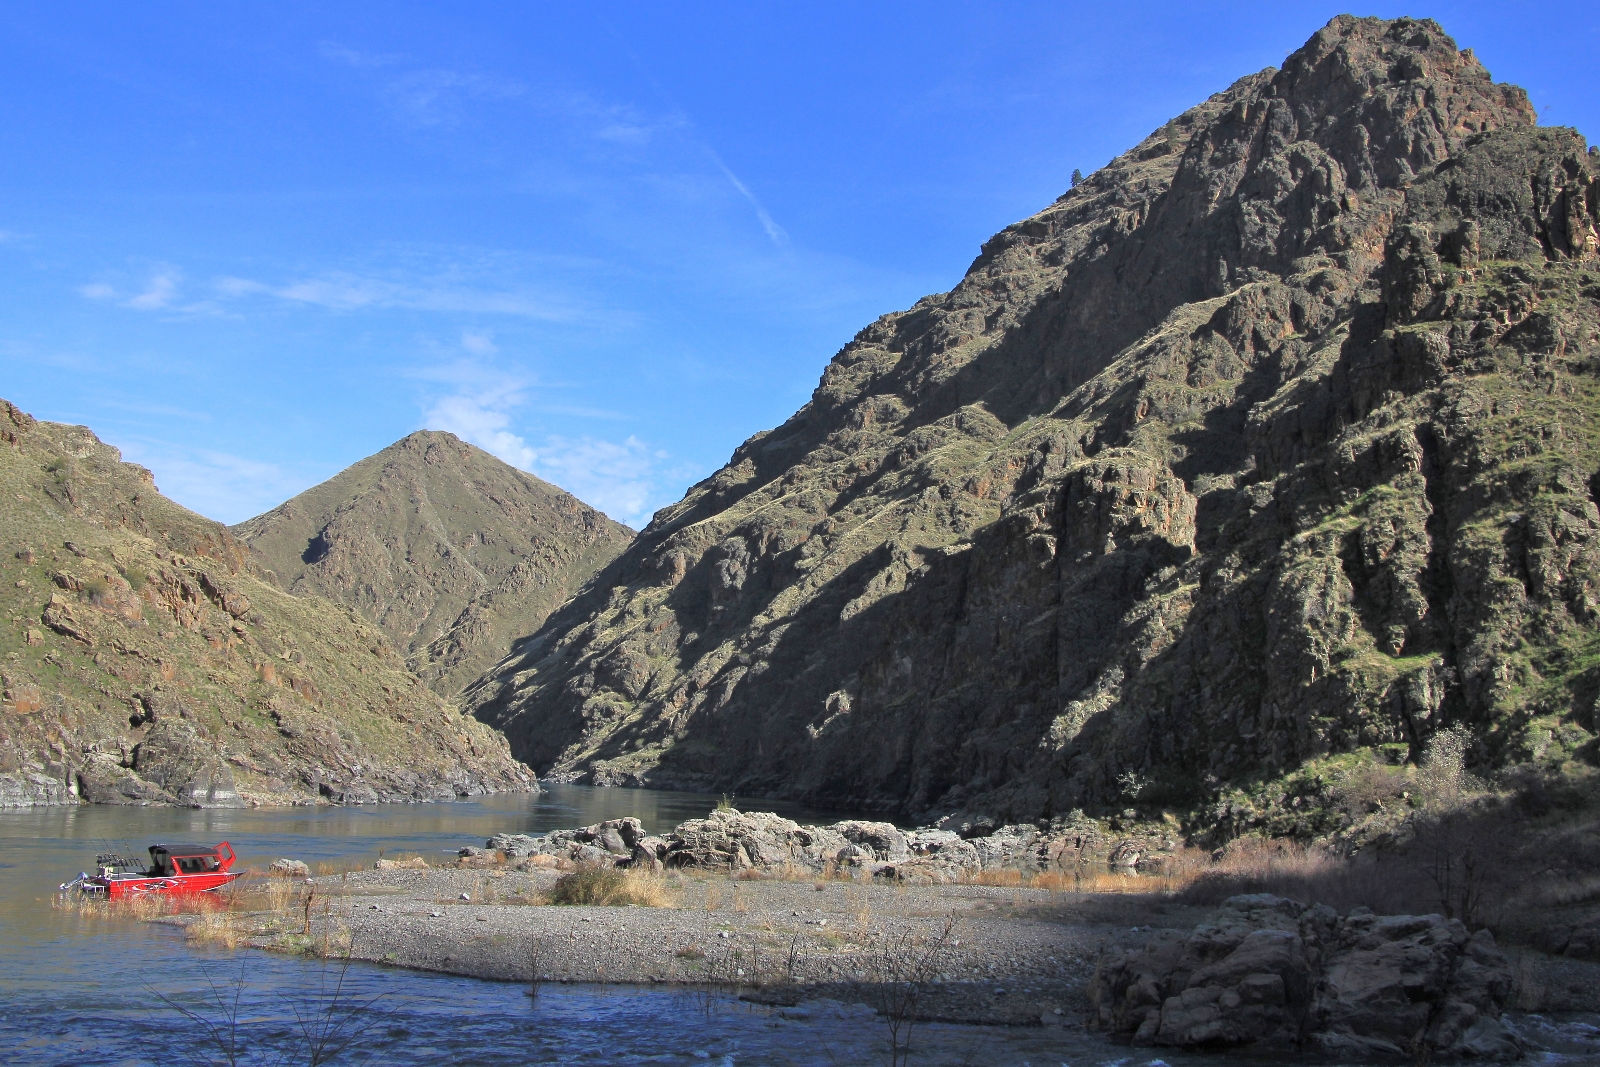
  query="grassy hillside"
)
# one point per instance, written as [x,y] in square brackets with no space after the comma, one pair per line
[146,660]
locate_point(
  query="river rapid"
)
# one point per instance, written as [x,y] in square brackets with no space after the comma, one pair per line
[83,989]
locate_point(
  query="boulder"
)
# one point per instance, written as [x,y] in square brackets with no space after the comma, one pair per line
[737,840]
[1273,975]
[349,793]
[513,845]
[649,853]
[104,779]
[287,868]
[885,843]
[174,757]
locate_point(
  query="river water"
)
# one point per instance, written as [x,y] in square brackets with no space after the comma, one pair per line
[81,989]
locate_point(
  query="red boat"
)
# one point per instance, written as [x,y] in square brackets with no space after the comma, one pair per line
[173,869]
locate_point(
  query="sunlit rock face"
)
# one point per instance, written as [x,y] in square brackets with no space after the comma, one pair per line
[1269,441]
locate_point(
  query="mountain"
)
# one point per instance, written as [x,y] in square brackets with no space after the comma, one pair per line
[446,549]
[1266,450]
[147,659]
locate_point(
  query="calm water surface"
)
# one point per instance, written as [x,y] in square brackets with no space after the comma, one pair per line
[78,989]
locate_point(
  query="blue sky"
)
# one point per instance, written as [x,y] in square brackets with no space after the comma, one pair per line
[250,244]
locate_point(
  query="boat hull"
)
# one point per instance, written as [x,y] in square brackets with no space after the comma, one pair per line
[176,885]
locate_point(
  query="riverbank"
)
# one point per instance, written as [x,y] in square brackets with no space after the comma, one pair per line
[979,954]
[975,953]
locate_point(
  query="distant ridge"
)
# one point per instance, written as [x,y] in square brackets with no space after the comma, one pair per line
[448,550]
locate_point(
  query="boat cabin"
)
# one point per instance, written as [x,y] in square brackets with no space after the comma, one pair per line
[167,861]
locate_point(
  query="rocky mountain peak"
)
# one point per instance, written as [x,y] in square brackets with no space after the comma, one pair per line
[1176,491]
[447,549]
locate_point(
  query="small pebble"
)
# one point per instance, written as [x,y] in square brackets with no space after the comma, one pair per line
[483,918]
[724,933]
[466,896]
[374,907]
[436,914]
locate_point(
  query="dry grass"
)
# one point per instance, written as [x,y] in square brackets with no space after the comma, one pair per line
[609,887]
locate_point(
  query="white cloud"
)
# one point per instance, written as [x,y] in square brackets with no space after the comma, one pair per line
[436,97]
[479,343]
[158,293]
[623,479]
[620,478]
[356,58]
[483,419]
[218,485]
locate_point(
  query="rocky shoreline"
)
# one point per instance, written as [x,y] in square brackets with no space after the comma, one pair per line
[775,912]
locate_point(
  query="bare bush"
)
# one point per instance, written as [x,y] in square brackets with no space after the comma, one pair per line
[899,972]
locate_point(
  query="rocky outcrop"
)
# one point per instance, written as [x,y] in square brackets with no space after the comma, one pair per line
[152,664]
[1257,447]
[450,552]
[731,841]
[174,757]
[1274,975]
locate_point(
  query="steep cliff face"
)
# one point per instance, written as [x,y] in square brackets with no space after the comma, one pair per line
[147,661]
[447,550]
[1270,441]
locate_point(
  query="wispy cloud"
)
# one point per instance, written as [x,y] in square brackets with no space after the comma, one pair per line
[158,292]
[356,58]
[622,478]
[433,96]
[218,485]
[479,343]
[440,97]
[777,233]
[625,479]
[350,291]
[165,411]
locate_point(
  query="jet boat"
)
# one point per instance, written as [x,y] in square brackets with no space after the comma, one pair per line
[173,869]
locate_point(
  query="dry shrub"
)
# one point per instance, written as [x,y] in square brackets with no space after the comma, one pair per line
[220,927]
[608,886]
[1444,866]
[325,868]
[1371,788]
[1000,877]
[1080,879]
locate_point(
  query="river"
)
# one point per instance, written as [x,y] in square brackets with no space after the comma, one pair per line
[82,989]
